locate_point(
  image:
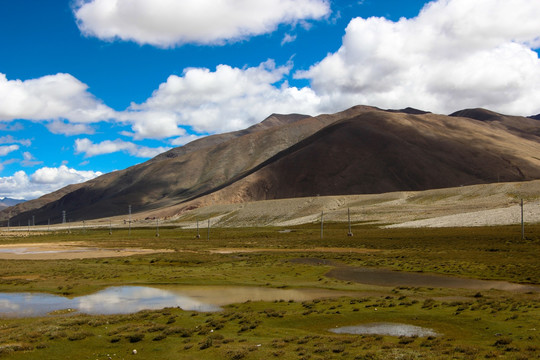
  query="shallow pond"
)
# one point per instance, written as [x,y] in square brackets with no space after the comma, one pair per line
[130,299]
[385,277]
[390,329]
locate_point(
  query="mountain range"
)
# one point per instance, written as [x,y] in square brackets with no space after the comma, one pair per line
[362,150]
[7,202]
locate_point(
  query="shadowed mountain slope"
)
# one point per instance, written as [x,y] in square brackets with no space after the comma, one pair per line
[362,150]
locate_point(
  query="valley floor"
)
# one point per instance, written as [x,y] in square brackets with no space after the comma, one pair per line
[471,322]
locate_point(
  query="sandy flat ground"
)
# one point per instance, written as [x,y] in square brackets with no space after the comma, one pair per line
[492,217]
[70,250]
[475,205]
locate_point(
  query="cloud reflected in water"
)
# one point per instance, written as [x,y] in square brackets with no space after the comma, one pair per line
[114,300]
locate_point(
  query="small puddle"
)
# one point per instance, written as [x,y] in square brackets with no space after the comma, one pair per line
[390,329]
[130,299]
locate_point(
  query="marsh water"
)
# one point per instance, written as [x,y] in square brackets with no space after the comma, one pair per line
[391,329]
[130,299]
[386,277]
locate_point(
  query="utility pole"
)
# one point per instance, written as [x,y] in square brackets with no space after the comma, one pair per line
[129,211]
[110,227]
[322,224]
[198,235]
[63,216]
[349,218]
[522,223]
[157,227]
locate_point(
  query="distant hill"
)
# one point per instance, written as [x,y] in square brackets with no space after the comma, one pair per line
[7,202]
[363,150]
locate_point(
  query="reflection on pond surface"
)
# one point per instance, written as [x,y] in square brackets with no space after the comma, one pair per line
[390,329]
[26,304]
[130,299]
[114,300]
[224,295]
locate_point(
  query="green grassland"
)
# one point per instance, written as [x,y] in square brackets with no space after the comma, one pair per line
[473,324]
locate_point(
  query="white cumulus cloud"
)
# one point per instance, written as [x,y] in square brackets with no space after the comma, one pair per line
[62,174]
[455,54]
[50,97]
[4,150]
[167,23]
[43,181]
[152,122]
[90,148]
[215,101]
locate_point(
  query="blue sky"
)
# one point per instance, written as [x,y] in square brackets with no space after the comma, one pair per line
[86,89]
